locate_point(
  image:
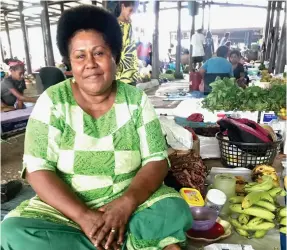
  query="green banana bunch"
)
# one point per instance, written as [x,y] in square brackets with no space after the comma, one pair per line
[283,230]
[255,221]
[266,205]
[243,219]
[242,232]
[254,211]
[263,226]
[266,185]
[235,223]
[259,234]
[282,212]
[277,191]
[236,199]
[283,221]
[254,197]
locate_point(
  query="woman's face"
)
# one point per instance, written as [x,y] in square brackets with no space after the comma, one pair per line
[93,64]
[18,74]
[126,12]
[234,59]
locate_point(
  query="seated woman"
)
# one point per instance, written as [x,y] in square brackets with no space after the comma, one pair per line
[214,67]
[95,155]
[238,69]
[12,87]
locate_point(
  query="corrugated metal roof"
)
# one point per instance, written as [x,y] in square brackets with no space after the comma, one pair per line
[10,9]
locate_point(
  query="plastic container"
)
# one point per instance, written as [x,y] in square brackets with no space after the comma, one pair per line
[225,183]
[215,199]
[194,80]
[204,218]
[192,197]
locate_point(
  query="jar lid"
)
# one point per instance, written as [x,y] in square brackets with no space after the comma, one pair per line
[216,196]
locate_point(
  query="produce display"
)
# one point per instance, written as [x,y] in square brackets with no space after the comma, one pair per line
[257,213]
[227,95]
[265,76]
[262,170]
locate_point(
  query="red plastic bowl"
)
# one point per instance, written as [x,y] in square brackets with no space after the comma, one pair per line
[204,218]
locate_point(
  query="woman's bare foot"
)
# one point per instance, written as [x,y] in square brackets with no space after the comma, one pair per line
[172,247]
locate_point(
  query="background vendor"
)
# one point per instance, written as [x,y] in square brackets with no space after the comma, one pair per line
[238,69]
[13,86]
[215,67]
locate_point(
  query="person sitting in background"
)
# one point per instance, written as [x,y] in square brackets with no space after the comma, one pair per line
[238,69]
[197,42]
[218,64]
[95,155]
[209,46]
[214,67]
[224,39]
[13,86]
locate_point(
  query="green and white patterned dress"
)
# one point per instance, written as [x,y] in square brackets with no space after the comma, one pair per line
[98,158]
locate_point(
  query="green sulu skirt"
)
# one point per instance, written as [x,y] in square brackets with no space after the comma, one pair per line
[156,227]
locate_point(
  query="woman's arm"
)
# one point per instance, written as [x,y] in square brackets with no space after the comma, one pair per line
[53,191]
[21,97]
[41,154]
[146,182]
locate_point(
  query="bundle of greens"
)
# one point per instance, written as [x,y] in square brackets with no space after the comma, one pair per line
[227,95]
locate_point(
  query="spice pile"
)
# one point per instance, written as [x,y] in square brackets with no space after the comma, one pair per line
[188,170]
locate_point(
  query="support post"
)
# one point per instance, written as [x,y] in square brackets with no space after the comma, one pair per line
[44,43]
[105,4]
[2,51]
[276,39]
[267,22]
[190,49]
[178,47]
[209,13]
[47,34]
[266,31]
[155,48]
[281,56]
[8,34]
[62,7]
[203,8]
[25,38]
[270,31]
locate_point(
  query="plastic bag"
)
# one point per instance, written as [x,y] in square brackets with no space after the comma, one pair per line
[209,147]
[177,137]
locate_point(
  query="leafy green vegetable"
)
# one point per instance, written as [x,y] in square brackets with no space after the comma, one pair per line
[227,95]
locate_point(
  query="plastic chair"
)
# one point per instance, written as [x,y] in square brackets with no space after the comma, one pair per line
[209,78]
[51,76]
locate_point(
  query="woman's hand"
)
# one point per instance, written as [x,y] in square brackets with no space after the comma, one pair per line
[116,216]
[91,222]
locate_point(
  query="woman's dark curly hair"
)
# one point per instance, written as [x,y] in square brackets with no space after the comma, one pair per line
[235,52]
[89,17]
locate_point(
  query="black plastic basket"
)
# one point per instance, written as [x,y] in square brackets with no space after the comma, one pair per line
[248,155]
